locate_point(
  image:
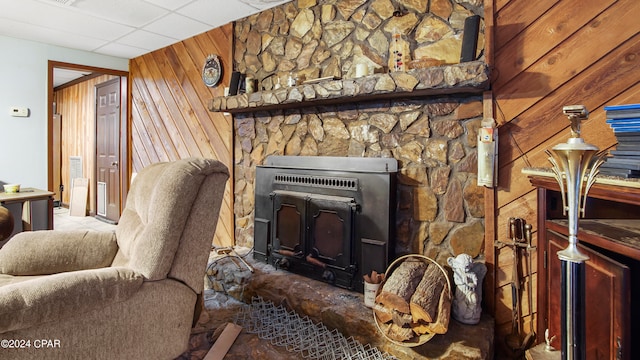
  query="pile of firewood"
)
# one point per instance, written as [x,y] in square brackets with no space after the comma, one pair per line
[413,301]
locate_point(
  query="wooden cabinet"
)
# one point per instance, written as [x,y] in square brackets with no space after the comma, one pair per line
[610,235]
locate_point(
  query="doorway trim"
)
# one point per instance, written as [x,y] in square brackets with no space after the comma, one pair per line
[125,126]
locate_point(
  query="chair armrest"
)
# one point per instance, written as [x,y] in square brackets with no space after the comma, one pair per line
[60,296]
[54,251]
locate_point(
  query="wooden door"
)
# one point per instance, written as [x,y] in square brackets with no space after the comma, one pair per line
[607,301]
[108,150]
[57,158]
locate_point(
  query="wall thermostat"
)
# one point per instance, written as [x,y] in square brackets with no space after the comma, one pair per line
[19,111]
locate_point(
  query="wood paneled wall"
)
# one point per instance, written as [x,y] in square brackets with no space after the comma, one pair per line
[548,54]
[169,115]
[76,104]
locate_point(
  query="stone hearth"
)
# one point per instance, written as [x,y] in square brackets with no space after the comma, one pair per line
[336,308]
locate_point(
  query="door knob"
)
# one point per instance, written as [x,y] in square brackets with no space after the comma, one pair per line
[115,163]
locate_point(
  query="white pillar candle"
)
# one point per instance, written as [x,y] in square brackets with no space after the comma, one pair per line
[362,70]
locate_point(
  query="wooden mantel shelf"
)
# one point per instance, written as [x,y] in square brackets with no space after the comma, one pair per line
[470,77]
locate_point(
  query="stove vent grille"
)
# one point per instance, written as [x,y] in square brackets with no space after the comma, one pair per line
[317,181]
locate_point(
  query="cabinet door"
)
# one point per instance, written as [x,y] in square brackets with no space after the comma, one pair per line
[607,297]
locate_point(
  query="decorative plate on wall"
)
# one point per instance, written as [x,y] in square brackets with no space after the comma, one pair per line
[212,71]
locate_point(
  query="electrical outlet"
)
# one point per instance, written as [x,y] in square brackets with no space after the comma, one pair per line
[19,111]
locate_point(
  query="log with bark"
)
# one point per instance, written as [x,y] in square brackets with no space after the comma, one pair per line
[401,284]
[424,301]
[398,333]
[441,325]
[416,299]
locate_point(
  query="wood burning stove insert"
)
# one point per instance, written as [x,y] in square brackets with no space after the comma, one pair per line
[327,218]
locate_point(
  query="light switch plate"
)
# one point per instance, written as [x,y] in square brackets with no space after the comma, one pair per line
[19,111]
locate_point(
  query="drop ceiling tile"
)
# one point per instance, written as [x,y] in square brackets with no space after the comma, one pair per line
[215,13]
[263,4]
[146,40]
[63,76]
[121,50]
[177,26]
[134,13]
[63,19]
[169,4]
[42,34]
[111,25]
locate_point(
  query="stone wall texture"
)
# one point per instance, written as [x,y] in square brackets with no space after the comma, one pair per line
[440,208]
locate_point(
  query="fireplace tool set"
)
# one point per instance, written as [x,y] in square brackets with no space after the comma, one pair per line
[519,239]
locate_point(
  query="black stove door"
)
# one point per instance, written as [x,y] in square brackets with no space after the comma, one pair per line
[289,227]
[330,222]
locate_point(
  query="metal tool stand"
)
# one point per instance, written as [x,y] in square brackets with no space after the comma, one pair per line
[575,166]
[520,238]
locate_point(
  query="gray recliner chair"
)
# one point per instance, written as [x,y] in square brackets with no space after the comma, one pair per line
[124,295]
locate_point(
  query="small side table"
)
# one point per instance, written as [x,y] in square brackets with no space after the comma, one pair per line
[32,209]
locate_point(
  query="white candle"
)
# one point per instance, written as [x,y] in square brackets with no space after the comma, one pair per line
[362,70]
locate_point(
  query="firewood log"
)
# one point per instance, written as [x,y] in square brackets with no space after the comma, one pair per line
[401,319]
[399,333]
[424,301]
[420,328]
[441,325]
[398,288]
[383,314]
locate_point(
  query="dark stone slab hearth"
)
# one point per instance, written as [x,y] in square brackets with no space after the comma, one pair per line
[344,310]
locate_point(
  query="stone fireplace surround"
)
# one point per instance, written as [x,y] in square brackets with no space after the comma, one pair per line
[439,206]
[430,128]
[427,119]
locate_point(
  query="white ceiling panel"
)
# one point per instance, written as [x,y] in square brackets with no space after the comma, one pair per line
[121,50]
[143,39]
[169,4]
[217,12]
[63,76]
[177,26]
[49,36]
[135,13]
[63,19]
[121,28]
[263,4]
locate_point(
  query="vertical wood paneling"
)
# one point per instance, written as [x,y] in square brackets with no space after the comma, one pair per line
[552,53]
[76,104]
[169,116]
